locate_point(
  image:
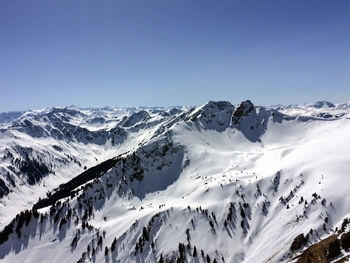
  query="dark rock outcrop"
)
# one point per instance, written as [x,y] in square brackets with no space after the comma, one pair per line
[298,242]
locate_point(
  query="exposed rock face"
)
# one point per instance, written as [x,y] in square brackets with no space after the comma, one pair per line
[322,251]
[345,241]
[252,121]
[334,249]
[242,110]
[135,118]
[299,242]
[247,120]
[215,115]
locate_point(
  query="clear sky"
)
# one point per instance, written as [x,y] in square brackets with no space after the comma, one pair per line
[172,52]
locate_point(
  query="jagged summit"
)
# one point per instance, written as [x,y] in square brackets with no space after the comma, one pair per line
[219,105]
[137,117]
[213,115]
[252,121]
[242,110]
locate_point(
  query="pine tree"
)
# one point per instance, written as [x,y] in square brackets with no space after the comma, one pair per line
[345,241]
[100,241]
[194,251]
[63,221]
[242,223]
[242,213]
[74,241]
[334,249]
[145,234]
[113,244]
[211,224]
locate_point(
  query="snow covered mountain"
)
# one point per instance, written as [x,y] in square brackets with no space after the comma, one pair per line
[213,183]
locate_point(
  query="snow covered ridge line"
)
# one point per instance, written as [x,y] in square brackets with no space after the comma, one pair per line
[214,183]
[38,145]
[8,117]
[58,132]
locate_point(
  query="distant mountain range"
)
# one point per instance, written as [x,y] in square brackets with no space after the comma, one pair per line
[211,183]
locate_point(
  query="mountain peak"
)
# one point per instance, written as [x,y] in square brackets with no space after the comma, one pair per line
[244,108]
[220,105]
[323,104]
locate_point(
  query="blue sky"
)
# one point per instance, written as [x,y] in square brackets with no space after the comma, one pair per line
[172,52]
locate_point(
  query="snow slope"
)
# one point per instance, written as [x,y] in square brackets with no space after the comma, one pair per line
[41,149]
[234,184]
